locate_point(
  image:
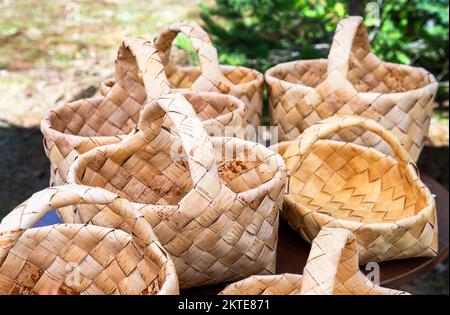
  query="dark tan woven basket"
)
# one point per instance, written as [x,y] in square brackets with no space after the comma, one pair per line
[244,83]
[380,199]
[81,259]
[214,205]
[332,269]
[353,81]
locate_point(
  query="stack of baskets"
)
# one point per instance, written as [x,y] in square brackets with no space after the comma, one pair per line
[158,175]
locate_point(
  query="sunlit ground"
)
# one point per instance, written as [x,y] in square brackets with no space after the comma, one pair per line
[49,48]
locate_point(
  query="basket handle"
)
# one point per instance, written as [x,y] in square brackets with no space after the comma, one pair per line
[194,139]
[211,78]
[138,60]
[350,44]
[331,248]
[27,214]
[326,128]
[333,265]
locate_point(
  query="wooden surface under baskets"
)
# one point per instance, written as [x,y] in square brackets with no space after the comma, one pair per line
[332,269]
[353,81]
[77,258]
[337,184]
[214,204]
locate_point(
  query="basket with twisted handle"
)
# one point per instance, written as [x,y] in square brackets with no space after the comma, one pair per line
[213,202]
[381,199]
[332,269]
[244,83]
[353,81]
[72,129]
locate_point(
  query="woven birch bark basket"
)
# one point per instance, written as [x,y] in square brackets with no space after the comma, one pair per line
[81,259]
[353,81]
[72,129]
[332,269]
[213,203]
[244,83]
[379,198]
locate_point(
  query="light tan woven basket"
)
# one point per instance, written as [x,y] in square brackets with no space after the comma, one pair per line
[244,83]
[81,259]
[332,269]
[353,81]
[380,199]
[77,127]
[214,205]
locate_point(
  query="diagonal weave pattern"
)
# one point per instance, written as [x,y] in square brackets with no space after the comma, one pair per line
[246,84]
[332,269]
[338,184]
[81,259]
[353,81]
[74,128]
[213,203]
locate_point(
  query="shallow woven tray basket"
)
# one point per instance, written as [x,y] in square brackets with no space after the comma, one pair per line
[81,259]
[332,269]
[214,205]
[353,81]
[244,83]
[74,128]
[380,199]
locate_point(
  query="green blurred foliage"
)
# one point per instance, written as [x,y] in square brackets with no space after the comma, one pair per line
[415,32]
[261,33]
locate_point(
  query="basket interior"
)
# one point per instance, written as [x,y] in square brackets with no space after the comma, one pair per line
[155,178]
[387,78]
[356,183]
[98,117]
[80,260]
[210,106]
[184,77]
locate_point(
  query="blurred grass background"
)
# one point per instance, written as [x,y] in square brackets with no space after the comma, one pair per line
[55,51]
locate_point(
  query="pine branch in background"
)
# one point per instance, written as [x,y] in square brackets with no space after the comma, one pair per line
[261,33]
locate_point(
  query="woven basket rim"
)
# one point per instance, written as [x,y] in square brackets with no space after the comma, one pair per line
[427,209]
[48,130]
[77,167]
[259,76]
[123,236]
[271,78]
[23,217]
